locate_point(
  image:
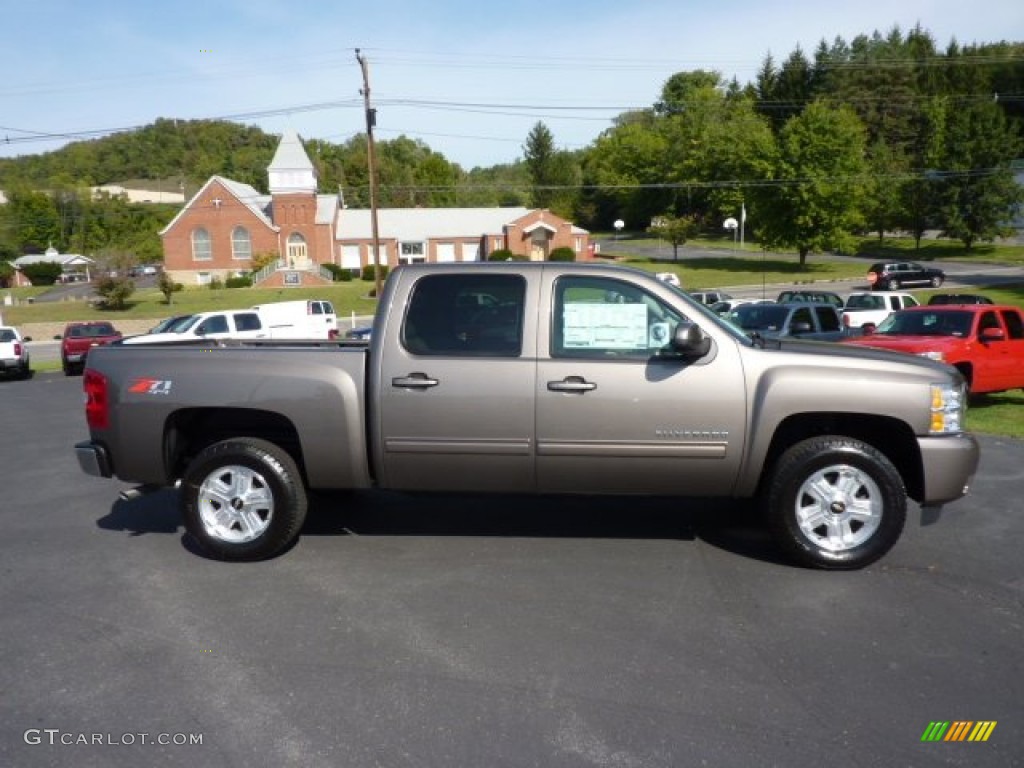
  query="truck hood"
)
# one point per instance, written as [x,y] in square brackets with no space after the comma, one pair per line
[913,345]
[854,353]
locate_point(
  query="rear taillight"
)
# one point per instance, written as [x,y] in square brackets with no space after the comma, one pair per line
[97,404]
[17,349]
[846,320]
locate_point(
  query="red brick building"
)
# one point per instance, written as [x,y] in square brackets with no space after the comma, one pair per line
[219,232]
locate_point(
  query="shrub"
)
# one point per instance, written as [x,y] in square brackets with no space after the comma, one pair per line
[114,292]
[215,284]
[239,281]
[562,254]
[167,286]
[338,274]
[501,254]
[43,272]
[368,272]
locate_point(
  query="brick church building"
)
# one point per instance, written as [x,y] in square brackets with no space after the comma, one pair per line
[226,224]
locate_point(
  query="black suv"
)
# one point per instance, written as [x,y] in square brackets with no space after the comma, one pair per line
[893,275]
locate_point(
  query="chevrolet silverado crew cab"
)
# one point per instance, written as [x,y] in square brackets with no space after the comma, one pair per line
[569,379]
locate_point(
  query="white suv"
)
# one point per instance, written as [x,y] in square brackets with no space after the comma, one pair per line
[872,307]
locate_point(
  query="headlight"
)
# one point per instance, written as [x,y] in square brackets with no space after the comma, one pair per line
[949,406]
[932,356]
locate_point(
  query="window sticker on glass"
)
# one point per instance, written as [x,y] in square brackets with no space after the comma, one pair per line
[603,326]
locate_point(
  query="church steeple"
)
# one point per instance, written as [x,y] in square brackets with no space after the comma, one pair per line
[291,170]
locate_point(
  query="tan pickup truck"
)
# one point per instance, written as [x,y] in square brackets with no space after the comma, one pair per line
[547,378]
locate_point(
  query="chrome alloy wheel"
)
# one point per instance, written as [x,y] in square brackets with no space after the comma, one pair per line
[235,504]
[839,508]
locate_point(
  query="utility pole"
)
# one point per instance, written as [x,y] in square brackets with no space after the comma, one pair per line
[371,120]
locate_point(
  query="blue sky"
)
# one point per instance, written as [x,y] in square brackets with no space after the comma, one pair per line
[468,78]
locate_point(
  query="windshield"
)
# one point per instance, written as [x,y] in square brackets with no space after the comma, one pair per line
[941,323]
[178,324]
[865,301]
[759,317]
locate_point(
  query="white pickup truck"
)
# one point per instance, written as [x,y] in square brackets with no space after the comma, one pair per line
[14,358]
[869,308]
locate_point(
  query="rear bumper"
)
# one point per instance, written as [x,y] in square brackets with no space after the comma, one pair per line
[949,463]
[93,459]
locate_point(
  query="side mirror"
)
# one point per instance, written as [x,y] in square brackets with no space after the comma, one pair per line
[689,341]
[58,337]
[992,334]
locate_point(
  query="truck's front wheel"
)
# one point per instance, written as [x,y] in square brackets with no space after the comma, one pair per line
[243,499]
[835,502]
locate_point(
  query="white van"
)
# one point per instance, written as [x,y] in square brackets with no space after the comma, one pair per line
[310,319]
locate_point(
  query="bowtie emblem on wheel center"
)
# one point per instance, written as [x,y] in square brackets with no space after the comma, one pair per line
[237,503]
[837,507]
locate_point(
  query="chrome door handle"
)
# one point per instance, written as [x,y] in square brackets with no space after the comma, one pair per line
[573,384]
[414,381]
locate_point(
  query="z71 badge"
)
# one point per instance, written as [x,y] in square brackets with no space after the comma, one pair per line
[150,387]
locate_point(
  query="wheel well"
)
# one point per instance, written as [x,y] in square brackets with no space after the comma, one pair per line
[967,370]
[892,437]
[189,431]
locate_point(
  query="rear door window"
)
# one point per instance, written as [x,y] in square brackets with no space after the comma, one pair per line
[446,318]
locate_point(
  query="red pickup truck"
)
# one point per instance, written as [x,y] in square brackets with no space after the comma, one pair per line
[984,342]
[79,338]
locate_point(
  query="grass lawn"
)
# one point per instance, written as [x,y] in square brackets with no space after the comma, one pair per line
[1001,413]
[150,304]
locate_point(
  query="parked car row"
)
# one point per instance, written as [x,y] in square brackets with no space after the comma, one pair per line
[302,319]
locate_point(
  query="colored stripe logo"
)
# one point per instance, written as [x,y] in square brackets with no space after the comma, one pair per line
[959,730]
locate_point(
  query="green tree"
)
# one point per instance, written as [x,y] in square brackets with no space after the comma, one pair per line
[34,219]
[676,230]
[624,173]
[168,287]
[979,194]
[554,174]
[815,204]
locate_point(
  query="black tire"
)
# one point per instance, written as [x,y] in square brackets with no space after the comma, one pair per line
[243,499]
[936,281]
[66,367]
[830,488]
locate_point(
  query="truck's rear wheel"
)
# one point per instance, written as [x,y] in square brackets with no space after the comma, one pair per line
[835,503]
[243,499]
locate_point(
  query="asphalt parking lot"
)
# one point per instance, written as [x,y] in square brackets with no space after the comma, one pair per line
[454,631]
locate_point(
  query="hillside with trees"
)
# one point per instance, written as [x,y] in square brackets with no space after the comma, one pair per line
[880,134]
